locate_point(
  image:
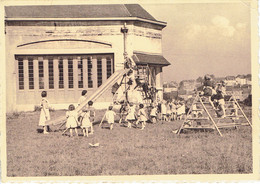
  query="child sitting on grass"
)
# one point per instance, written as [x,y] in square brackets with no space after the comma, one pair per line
[45,113]
[110,116]
[72,120]
[130,115]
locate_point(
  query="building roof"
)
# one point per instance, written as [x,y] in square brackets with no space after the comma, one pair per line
[230,78]
[78,11]
[145,58]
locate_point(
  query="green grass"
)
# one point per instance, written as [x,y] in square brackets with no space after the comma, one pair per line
[123,151]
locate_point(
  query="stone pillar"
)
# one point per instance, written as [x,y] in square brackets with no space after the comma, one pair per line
[159,81]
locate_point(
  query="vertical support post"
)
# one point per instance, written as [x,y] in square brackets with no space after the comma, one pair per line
[45,74]
[55,76]
[85,72]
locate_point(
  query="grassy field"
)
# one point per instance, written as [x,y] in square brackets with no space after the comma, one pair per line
[123,151]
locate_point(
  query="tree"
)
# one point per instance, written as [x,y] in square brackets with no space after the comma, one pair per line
[200,80]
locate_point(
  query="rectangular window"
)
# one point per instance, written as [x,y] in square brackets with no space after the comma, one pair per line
[51,74]
[90,73]
[21,74]
[41,74]
[99,72]
[80,73]
[61,75]
[109,67]
[70,73]
[30,72]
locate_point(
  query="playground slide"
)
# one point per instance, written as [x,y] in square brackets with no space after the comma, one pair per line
[104,87]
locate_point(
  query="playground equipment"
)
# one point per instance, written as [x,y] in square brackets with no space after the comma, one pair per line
[202,116]
[118,75]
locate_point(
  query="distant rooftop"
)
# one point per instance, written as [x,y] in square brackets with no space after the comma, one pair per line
[78,11]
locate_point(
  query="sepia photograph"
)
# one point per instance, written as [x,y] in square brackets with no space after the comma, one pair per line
[129,89]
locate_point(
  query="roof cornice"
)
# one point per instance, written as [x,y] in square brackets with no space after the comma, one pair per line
[161,23]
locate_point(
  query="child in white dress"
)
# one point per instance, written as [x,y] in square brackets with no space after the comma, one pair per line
[85,123]
[153,113]
[164,111]
[90,117]
[45,113]
[142,115]
[110,116]
[130,115]
[72,120]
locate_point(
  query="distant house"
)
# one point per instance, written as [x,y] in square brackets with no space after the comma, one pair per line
[230,81]
[241,80]
[170,87]
[188,85]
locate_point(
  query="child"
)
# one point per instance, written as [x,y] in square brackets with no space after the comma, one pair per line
[130,115]
[181,110]
[164,110]
[153,113]
[142,115]
[72,121]
[45,113]
[168,111]
[80,101]
[174,110]
[83,97]
[92,114]
[234,111]
[110,116]
[86,122]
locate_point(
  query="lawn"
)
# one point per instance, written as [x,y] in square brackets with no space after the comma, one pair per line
[123,151]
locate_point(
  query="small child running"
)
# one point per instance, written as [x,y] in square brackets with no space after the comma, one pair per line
[110,116]
[72,120]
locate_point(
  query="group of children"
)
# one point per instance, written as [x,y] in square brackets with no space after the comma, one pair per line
[133,114]
[172,110]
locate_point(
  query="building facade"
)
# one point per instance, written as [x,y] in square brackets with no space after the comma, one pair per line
[64,49]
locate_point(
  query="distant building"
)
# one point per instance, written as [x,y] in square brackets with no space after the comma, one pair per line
[170,87]
[230,81]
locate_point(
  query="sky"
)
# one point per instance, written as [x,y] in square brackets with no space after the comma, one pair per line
[204,38]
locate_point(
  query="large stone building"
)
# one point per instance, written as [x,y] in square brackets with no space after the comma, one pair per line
[64,49]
